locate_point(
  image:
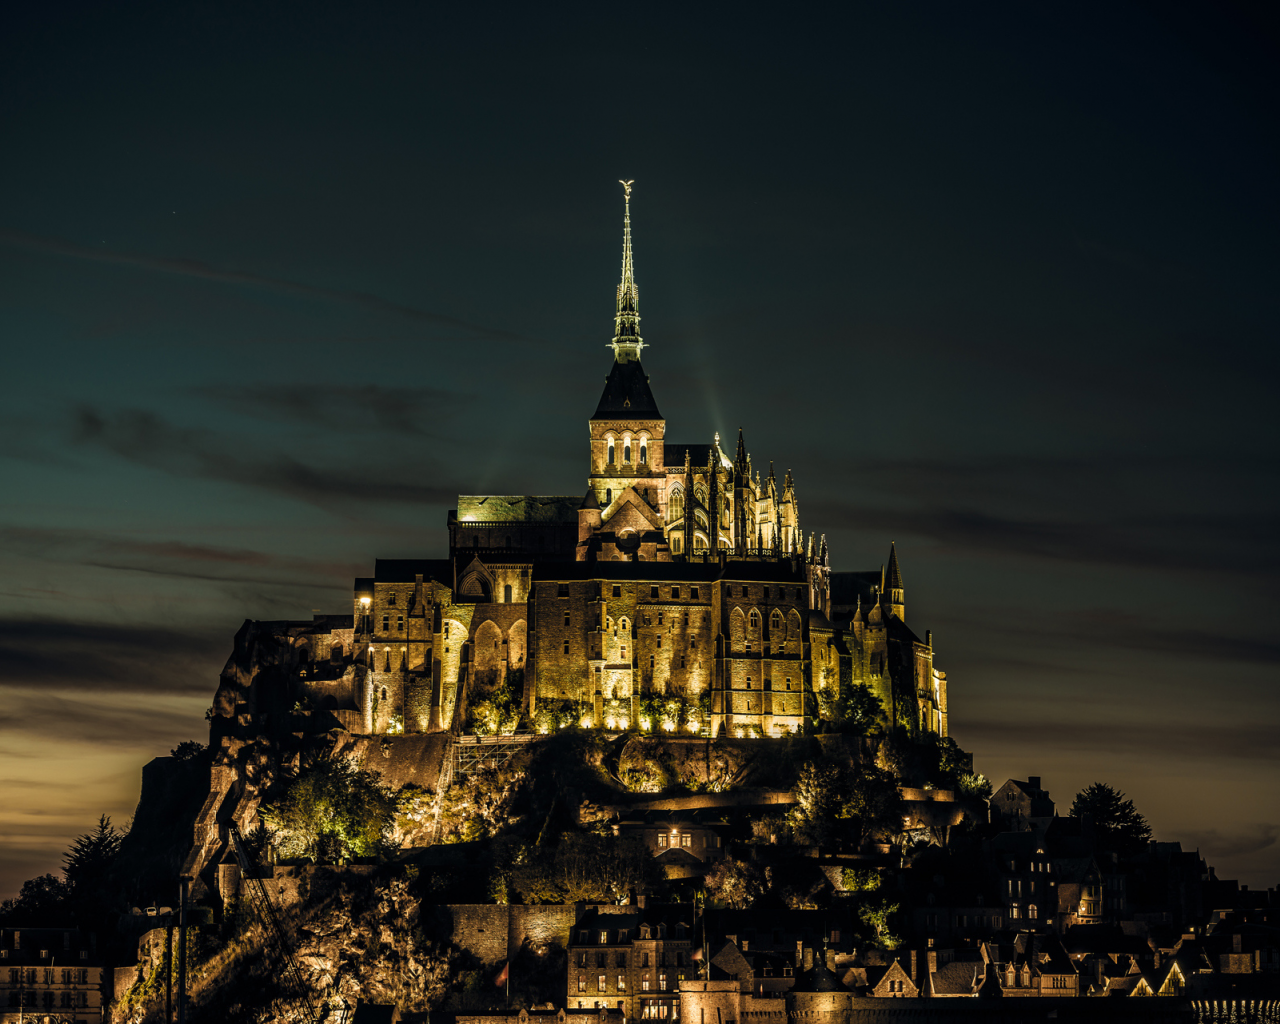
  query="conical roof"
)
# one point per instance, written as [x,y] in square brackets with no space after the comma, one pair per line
[627,395]
[894,576]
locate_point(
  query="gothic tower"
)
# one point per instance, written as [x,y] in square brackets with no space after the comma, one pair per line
[627,429]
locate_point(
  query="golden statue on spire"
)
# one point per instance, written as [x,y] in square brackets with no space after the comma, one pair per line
[626,185]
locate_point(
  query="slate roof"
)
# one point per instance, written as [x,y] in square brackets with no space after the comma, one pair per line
[894,575]
[957,978]
[627,395]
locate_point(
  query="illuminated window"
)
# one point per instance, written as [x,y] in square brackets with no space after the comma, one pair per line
[611,451]
[622,982]
[582,982]
[644,454]
[662,839]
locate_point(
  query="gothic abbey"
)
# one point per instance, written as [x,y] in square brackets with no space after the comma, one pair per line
[679,572]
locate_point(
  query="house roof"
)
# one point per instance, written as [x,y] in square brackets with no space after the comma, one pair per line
[518,508]
[957,978]
[626,394]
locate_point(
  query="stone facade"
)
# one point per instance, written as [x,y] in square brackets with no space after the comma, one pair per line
[681,573]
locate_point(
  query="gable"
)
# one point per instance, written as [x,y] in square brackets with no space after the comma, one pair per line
[631,512]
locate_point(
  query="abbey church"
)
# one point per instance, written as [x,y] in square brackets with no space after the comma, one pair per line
[681,572]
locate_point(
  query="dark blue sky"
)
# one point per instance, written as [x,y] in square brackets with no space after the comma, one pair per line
[995,282]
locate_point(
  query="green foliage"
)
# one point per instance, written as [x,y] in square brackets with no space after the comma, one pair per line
[645,766]
[734,884]
[189,750]
[87,867]
[1119,826]
[554,715]
[876,914]
[583,866]
[857,803]
[499,713]
[331,811]
[853,709]
[484,805]
[861,880]
[974,785]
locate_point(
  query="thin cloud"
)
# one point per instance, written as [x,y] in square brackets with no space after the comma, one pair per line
[206,272]
[174,558]
[411,411]
[146,439]
[1251,839]
[1158,541]
[80,656]
[1255,742]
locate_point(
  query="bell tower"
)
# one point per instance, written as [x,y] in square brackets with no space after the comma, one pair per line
[627,430]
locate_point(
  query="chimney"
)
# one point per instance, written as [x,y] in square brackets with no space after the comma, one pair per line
[931,958]
[831,960]
[640,898]
[914,966]
[808,958]
[799,955]
[1033,781]
[1235,943]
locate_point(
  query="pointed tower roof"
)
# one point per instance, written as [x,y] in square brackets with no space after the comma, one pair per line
[740,459]
[627,342]
[626,389]
[894,575]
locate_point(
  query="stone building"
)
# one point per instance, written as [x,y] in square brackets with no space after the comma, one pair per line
[52,972]
[677,586]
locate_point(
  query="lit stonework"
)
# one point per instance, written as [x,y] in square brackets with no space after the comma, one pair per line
[681,573]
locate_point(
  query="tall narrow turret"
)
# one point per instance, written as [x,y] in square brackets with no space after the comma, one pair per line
[893,585]
[627,342]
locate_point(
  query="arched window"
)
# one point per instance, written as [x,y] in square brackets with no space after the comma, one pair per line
[755,620]
[675,504]
[506,594]
[644,453]
[608,491]
[626,452]
[775,621]
[611,451]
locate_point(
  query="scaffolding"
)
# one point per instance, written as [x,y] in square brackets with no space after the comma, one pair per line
[472,754]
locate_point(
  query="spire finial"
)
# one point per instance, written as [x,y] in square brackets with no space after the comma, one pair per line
[627,342]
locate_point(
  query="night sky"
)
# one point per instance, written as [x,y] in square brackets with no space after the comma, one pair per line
[997,282]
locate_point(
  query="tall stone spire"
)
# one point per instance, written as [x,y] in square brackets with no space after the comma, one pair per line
[627,342]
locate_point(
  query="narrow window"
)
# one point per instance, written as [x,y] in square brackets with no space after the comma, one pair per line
[675,593]
[506,592]
[566,618]
[608,491]
[626,452]
[653,592]
[386,623]
[400,623]
[651,663]
[644,454]
[611,451]
[659,643]
[566,647]
[391,600]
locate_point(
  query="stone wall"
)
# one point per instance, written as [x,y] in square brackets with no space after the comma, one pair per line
[495,932]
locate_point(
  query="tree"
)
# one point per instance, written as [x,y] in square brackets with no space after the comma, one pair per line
[734,884]
[585,867]
[1120,828]
[189,750]
[43,902]
[89,860]
[332,811]
[862,709]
